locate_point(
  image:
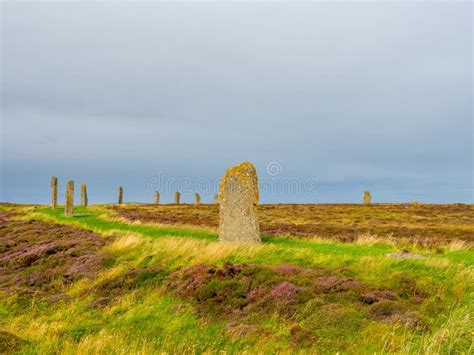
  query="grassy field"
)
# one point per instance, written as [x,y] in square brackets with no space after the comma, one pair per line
[326,279]
[422,223]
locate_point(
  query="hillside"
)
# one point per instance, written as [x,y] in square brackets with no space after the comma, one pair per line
[327,278]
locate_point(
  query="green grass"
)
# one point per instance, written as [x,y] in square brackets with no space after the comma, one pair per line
[465,257]
[281,250]
[148,318]
[150,324]
[405,223]
[92,219]
[330,248]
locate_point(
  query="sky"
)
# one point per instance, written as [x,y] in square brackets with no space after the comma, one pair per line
[325,99]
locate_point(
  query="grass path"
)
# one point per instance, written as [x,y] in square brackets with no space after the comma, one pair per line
[95,218]
[100,219]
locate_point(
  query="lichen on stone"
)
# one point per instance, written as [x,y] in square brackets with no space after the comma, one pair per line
[68,209]
[238,199]
[245,174]
[84,199]
[54,192]
[367,198]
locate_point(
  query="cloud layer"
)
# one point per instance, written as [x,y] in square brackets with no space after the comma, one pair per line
[356,95]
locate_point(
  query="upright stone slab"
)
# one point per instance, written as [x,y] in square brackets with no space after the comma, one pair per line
[238,198]
[197,199]
[54,192]
[157,198]
[177,197]
[84,200]
[120,195]
[367,198]
[68,208]
[216,199]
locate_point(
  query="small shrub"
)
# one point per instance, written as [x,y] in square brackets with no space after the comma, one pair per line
[410,289]
[109,290]
[284,293]
[378,295]
[384,309]
[9,343]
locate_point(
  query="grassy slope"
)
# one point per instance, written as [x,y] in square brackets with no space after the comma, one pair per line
[149,319]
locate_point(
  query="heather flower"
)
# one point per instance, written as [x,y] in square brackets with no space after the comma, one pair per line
[285,291]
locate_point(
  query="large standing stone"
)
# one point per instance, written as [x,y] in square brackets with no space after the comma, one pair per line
[54,192]
[84,200]
[367,198]
[177,196]
[157,198]
[238,197]
[69,199]
[197,199]
[120,195]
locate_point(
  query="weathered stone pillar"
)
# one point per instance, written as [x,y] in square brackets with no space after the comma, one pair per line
[84,200]
[69,206]
[120,195]
[157,198]
[238,198]
[367,198]
[177,196]
[54,192]
[197,199]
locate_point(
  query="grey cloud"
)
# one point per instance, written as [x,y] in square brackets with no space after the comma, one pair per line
[345,92]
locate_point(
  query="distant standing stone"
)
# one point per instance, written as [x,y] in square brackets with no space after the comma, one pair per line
[238,197]
[84,200]
[157,198]
[120,195]
[68,208]
[216,199]
[367,198]
[197,199]
[177,196]
[54,192]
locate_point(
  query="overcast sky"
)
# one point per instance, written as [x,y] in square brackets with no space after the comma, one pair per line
[353,95]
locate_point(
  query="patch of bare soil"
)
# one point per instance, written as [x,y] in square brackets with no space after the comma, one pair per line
[38,258]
